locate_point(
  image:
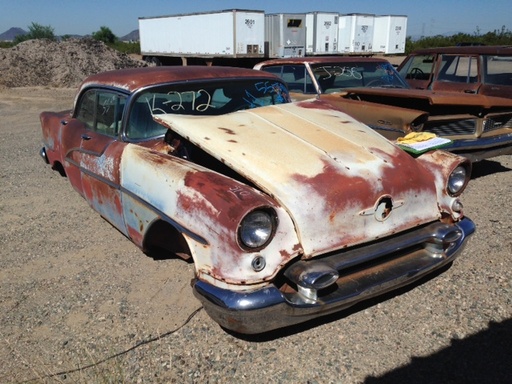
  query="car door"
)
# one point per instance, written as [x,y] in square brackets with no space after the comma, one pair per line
[69,143]
[100,154]
[457,73]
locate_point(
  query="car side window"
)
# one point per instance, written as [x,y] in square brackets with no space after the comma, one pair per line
[459,69]
[296,77]
[101,111]
[418,67]
[498,70]
[140,123]
[86,107]
[109,113]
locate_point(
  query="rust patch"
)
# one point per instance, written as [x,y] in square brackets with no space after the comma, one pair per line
[407,172]
[228,131]
[221,193]
[316,104]
[332,186]
[134,78]
[135,236]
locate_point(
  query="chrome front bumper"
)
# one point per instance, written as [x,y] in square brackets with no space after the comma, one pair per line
[482,148]
[364,272]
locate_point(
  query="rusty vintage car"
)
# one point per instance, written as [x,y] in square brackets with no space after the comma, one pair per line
[371,90]
[289,211]
[480,69]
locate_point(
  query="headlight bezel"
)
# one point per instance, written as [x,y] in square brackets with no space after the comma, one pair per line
[248,240]
[458,179]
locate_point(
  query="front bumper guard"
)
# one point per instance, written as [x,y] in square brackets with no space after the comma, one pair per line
[44,156]
[389,264]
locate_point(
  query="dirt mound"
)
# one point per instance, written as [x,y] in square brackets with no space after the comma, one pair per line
[58,64]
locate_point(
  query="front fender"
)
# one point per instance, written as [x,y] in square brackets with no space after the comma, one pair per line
[207,208]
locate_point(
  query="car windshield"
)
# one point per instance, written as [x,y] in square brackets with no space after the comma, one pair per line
[333,77]
[214,98]
[200,99]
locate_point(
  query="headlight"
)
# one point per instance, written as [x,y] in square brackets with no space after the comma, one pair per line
[457,180]
[257,228]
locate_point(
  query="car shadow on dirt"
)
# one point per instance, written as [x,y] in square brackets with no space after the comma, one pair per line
[481,358]
[487,167]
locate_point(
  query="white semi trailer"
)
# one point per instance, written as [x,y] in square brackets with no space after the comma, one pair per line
[389,34]
[203,38]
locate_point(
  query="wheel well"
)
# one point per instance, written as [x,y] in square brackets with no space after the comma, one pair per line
[163,241]
[59,168]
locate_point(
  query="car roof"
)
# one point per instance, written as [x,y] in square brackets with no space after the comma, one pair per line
[132,79]
[468,49]
[321,60]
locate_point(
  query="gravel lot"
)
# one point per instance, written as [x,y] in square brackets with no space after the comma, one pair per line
[79,303]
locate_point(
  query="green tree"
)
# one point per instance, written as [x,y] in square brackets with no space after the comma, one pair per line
[501,36]
[105,35]
[36,31]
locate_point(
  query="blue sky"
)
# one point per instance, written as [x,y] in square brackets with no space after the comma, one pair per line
[121,16]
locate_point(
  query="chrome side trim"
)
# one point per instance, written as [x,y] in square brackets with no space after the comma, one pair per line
[387,266]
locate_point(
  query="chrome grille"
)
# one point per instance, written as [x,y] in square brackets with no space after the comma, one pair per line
[450,128]
[498,122]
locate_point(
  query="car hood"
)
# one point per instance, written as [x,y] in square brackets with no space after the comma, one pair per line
[432,97]
[341,182]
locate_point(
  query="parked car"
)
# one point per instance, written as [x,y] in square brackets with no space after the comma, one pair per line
[485,70]
[371,90]
[289,211]
[307,76]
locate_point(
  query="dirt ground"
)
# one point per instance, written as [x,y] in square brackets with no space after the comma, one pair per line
[80,303]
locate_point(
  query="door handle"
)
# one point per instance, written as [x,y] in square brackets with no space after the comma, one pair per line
[85,136]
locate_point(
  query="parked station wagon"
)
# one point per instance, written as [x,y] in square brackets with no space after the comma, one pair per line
[371,90]
[289,211]
[485,70]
